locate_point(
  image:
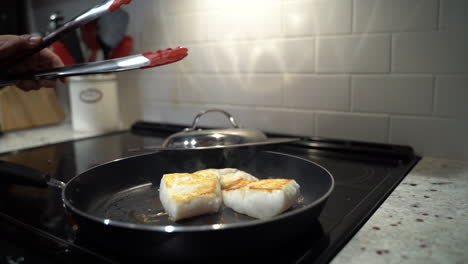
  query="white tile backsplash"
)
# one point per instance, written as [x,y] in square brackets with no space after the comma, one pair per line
[205,88]
[432,136]
[299,55]
[262,56]
[256,20]
[283,121]
[227,57]
[291,122]
[452,97]
[453,15]
[166,87]
[433,52]
[359,127]
[369,70]
[317,92]
[395,15]
[353,54]
[255,90]
[313,17]
[392,94]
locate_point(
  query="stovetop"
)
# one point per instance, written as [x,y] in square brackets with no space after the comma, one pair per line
[34,229]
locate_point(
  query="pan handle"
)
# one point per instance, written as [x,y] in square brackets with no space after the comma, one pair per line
[11,173]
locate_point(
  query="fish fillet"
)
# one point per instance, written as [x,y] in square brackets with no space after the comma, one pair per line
[185,195]
[263,198]
[228,177]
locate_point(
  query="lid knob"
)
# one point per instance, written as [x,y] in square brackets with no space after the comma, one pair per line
[202,113]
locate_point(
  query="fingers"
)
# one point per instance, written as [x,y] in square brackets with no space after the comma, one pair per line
[11,46]
[45,59]
[27,85]
[48,83]
[35,85]
[53,59]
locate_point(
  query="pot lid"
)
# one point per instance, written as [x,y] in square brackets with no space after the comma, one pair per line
[197,138]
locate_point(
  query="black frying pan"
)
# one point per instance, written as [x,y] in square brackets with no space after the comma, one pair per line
[115,207]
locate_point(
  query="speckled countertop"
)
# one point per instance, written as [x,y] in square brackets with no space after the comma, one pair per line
[425,220]
[41,136]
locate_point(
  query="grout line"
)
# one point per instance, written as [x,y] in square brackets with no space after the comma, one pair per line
[283,90]
[291,109]
[391,54]
[299,37]
[438,16]
[434,94]
[311,73]
[315,124]
[351,94]
[316,55]
[283,19]
[284,37]
[353,26]
[390,126]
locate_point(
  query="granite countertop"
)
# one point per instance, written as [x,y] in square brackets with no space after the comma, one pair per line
[41,136]
[425,219]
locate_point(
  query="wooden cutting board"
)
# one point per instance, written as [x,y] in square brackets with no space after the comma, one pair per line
[21,110]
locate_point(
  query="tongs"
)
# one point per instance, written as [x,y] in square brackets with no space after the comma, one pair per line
[141,61]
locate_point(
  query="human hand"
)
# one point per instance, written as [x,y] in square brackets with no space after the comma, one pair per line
[12,46]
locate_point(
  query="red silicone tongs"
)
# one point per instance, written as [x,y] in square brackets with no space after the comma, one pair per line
[86,17]
[134,62]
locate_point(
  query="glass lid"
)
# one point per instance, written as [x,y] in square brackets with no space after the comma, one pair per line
[197,138]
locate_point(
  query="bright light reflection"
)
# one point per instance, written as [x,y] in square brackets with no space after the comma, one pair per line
[193,142]
[216,226]
[186,142]
[106,221]
[169,229]
[217,135]
[296,20]
[134,61]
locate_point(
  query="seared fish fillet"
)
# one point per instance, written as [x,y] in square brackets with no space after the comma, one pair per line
[228,177]
[263,198]
[185,195]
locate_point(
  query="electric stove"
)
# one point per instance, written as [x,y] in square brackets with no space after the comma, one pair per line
[33,226]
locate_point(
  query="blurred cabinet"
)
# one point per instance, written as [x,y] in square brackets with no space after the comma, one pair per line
[12,17]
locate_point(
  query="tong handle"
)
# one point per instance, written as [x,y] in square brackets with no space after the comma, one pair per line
[139,61]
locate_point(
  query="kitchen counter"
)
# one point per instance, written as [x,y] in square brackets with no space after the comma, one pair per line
[41,136]
[425,220]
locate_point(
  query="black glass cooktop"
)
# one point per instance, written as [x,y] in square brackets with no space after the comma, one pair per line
[34,229]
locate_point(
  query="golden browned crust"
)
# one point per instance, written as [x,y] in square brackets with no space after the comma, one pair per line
[230,182]
[269,184]
[206,185]
[207,172]
[239,185]
[175,179]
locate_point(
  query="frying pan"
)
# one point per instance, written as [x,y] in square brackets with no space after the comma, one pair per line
[115,207]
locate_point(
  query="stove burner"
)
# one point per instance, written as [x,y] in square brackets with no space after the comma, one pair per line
[360,175]
[364,176]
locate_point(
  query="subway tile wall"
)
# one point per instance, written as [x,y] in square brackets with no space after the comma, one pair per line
[370,70]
